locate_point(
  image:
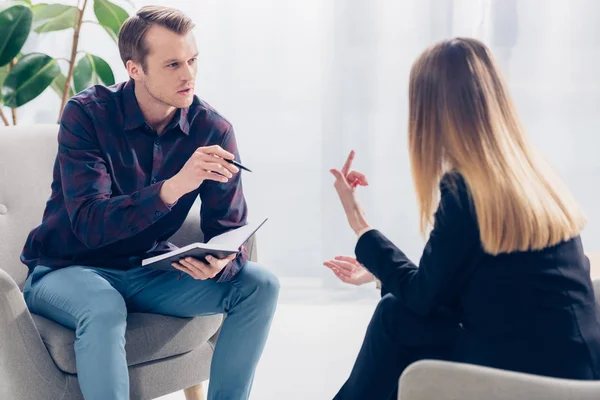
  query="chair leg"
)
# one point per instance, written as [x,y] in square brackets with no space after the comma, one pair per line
[195,392]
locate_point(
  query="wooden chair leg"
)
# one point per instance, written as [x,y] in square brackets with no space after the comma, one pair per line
[195,392]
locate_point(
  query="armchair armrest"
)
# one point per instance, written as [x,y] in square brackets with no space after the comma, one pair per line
[443,380]
[26,369]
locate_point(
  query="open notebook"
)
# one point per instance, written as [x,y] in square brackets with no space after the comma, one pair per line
[220,246]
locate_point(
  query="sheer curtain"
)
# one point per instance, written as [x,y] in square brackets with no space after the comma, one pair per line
[304,82]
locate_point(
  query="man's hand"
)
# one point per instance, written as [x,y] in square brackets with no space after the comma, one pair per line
[207,163]
[201,270]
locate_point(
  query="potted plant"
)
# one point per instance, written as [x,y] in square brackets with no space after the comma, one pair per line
[23,77]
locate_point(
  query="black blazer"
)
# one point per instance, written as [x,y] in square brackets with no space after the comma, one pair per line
[530,311]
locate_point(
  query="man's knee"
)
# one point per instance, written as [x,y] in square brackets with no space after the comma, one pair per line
[261,282]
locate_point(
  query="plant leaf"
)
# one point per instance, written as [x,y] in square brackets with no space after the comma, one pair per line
[3,73]
[54,17]
[103,70]
[11,3]
[58,85]
[15,24]
[92,70]
[110,16]
[29,78]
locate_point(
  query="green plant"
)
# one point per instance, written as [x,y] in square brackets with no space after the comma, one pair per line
[23,77]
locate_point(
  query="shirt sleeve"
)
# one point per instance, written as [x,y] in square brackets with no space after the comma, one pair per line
[224,208]
[435,283]
[97,218]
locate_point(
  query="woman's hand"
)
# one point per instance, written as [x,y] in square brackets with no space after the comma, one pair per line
[345,184]
[349,270]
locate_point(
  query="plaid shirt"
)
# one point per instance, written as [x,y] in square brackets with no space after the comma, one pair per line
[105,209]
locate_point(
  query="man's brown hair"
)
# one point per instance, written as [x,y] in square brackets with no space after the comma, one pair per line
[132,43]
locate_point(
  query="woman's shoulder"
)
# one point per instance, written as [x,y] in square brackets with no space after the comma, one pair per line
[455,199]
[453,183]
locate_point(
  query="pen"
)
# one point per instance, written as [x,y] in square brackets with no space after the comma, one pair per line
[237,164]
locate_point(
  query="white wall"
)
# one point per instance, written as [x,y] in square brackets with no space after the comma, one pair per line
[303,82]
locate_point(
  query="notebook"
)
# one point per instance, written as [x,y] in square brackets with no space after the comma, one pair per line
[219,246]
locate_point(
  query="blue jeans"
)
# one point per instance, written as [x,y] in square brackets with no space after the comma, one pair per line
[95,301]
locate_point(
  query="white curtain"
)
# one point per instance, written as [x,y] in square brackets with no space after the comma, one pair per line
[304,82]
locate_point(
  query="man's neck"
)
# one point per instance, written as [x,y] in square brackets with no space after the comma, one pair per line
[156,114]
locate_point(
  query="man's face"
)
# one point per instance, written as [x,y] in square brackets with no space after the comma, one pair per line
[171,66]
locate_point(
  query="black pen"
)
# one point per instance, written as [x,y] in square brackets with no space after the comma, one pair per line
[237,164]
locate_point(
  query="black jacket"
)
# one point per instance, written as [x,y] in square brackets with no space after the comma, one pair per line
[530,311]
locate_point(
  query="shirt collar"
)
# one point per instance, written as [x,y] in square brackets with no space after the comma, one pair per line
[134,117]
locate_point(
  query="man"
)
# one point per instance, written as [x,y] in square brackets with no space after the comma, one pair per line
[132,158]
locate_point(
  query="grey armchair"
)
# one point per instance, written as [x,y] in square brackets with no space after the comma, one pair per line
[37,359]
[442,380]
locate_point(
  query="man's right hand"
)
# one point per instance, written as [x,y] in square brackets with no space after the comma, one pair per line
[207,163]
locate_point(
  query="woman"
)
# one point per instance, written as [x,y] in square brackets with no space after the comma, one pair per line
[503,280]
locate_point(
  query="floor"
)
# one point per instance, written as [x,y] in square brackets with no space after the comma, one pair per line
[312,345]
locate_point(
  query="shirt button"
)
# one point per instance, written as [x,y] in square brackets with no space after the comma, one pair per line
[158,213]
[157,142]
[153,180]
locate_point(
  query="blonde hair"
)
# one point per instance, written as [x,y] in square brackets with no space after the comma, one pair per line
[132,43]
[461,117]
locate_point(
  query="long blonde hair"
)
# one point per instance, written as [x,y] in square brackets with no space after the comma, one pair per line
[461,117]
